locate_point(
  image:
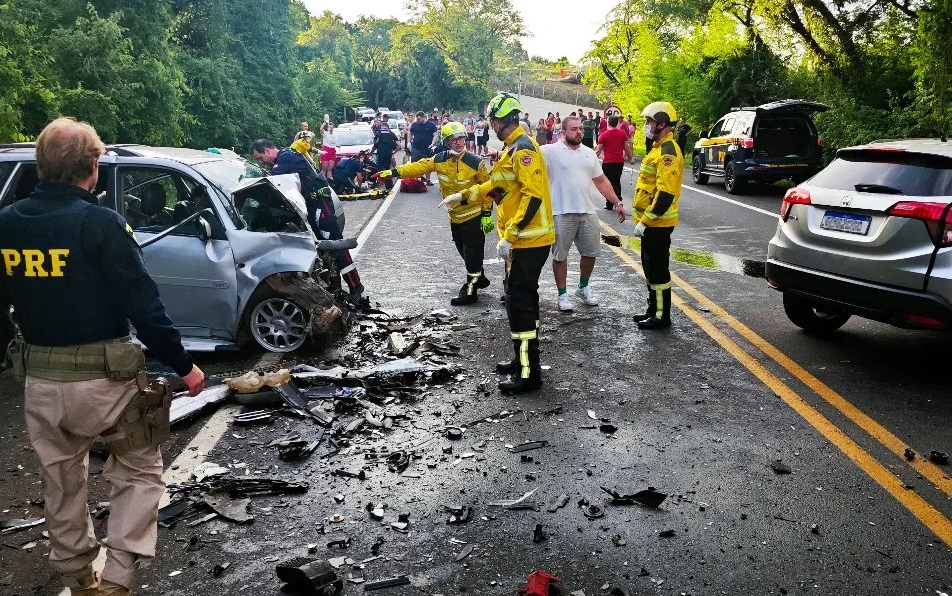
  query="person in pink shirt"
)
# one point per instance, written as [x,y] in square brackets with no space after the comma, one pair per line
[614,147]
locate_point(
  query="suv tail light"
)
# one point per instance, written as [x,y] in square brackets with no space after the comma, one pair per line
[794,196]
[747,143]
[929,213]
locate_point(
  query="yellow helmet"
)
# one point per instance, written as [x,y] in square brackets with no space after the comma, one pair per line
[503,105]
[452,130]
[660,111]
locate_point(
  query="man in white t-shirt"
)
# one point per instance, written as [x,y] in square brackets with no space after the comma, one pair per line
[574,174]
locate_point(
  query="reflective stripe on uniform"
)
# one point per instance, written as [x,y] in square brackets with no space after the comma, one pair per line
[348,268]
[659,289]
[523,334]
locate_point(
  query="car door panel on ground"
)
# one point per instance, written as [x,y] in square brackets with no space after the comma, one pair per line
[203,302]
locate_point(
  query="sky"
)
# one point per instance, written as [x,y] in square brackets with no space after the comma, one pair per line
[558,27]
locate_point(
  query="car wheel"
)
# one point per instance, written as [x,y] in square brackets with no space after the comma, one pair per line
[696,168]
[278,324]
[813,318]
[732,183]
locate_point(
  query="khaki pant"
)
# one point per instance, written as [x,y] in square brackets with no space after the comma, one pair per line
[63,419]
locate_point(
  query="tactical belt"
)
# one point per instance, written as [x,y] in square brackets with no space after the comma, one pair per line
[116,359]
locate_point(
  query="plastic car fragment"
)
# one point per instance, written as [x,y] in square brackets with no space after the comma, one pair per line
[559,502]
[459,514]
[538,582]
[467,551]
[528,446]
[235,510]
[648,497]
[312,577]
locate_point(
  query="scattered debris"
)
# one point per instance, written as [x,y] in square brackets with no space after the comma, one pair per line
[376,510]
[15,525]
[592,414]
[454,433]
[252,382]
[559,502]
[361,475]
[254,417]
[400,580]
[619,540]
[909,454]
[648,497]
[467,551]
[528,446]
[939,457]
[299,449]
[537,584]
[220,568]
[509,503]
[459,514]
[608,428]
[235,510]
[183,409]
[611,240]
[208,470]
[780,468]
[539,534]
[666,534]
[815,529]
[309,576]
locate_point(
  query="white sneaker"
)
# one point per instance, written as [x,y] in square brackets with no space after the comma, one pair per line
[587,296]
[565,303]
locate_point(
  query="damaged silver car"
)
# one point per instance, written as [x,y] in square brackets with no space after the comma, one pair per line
[231,251]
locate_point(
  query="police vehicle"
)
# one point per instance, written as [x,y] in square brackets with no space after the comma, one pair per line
[772,142]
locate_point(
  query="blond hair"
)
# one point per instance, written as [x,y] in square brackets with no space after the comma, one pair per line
[66,150]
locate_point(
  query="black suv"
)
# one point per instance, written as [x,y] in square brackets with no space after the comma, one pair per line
[775,141]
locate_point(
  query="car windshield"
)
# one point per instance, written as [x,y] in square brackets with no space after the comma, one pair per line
[225,174]
[911,174]
[362,136]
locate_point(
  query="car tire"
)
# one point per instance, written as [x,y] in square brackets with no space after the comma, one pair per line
[276,323]
[696,169]
[732,184]
[809,317]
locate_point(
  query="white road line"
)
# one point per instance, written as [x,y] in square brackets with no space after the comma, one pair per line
[733,202]
[369,228]
[720,198]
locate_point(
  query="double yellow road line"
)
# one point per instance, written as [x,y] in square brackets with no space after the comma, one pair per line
[919,507]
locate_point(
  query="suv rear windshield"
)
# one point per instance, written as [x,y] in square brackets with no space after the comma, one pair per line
[914,174]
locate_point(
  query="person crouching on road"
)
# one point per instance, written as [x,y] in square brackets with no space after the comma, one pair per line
[573,169]
[317,196]
[656,210]
[519,185]
[470,221]
[74,274]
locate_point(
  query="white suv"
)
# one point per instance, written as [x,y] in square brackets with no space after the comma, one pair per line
[869,235]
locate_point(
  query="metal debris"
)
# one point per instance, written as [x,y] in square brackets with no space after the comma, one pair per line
[299,449]
[208,470]
[361,475]
[528,446]
[648,497]
[235,510]
[467,551]
[184,408]
[400,580]
[254,417]
[592,511]
[15,525]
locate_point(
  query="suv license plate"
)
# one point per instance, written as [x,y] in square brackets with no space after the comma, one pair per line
[846,222]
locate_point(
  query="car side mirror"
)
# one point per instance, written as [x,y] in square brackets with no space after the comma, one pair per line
[204,230]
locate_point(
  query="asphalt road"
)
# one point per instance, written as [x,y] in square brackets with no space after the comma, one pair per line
[702,411]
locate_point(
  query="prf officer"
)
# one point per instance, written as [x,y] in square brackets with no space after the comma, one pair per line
[74,274]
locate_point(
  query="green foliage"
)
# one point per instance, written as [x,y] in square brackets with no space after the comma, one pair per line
[885,69]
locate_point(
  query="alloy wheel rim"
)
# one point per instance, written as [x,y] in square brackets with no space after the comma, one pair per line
[279,325]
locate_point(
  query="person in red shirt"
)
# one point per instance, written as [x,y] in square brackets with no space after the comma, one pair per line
[614,147]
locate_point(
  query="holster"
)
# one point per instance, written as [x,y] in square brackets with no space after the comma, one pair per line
[15,354]
[145,421]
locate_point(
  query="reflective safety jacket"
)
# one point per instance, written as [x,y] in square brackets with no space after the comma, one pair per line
[519,185]
[455,173]
[659,185]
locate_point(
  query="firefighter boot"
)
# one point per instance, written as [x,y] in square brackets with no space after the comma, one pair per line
[528,376]
[652,307]
[665,320]
[483,281]
[467,294]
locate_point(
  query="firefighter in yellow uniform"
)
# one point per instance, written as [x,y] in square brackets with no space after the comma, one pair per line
[519,185]
[656,210]
[470,221]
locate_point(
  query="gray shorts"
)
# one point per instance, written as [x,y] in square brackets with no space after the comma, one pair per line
[580,228]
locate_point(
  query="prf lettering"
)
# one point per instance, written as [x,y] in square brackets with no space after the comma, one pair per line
[34,263]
